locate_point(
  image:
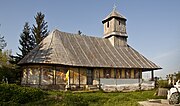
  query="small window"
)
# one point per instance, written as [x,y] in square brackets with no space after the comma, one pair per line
[136,74]
[107,73]
[127,73]
[108,24]
[119,23]
[117,73]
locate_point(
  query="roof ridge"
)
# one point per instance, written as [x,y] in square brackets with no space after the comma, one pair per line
[74,34]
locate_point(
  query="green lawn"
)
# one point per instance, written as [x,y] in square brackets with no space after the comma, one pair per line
[11,94]
[94,98]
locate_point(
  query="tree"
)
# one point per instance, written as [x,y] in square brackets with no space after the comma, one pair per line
[177,75]
[39,30]
[27,41]
[7,70]
[3,43]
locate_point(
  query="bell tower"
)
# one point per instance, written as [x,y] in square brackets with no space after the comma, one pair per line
[115,28]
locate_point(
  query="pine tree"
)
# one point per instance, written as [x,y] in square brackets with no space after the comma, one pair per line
[39,30]
[3,43]
[26,41]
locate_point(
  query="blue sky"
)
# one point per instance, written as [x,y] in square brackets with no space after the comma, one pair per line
[153,26]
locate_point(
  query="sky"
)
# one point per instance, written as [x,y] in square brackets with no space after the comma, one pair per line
[153,26]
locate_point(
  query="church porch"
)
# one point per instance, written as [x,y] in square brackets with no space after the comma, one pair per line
[56,77]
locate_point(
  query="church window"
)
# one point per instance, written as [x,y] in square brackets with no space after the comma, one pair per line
[136,73]
[127,73]
[108,24]
[107,73]
[117,73]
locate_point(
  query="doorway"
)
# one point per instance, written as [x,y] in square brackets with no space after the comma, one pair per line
[89,76]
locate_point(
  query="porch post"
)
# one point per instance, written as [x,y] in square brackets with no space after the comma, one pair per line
[27,72]
[69,79]
[54,75]
[115,77]
[40,75]
[139,79]
[99,80]
[152,75]
[21,74]
[79,77]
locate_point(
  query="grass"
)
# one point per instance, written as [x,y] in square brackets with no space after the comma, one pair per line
[15,95]
[57,98]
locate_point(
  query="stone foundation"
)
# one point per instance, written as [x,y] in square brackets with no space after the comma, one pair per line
[127,87]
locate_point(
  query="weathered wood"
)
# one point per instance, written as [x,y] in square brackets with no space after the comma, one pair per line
[79,77]
[99,80]
[152,75]
[84,51]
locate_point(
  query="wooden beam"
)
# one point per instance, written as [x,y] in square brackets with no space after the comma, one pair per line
[139,79]
[115,77]
[69,79]
[26,75]
[40,75]
[79,77]
[152,75]
[54,75]
[99,80]
[73,76]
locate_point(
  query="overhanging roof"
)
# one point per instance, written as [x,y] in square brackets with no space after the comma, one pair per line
[85,51]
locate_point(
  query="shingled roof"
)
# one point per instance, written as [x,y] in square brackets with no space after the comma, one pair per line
[85,51]
[115,14]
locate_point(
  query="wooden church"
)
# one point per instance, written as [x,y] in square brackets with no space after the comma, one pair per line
[65,60]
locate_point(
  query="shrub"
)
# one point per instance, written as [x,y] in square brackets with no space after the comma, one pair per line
[163,84]
[74,100]
[18,94]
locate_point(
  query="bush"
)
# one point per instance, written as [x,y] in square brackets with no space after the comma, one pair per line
[18,94]
[74,100]
[163,84]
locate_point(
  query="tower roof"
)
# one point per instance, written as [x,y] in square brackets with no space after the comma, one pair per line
[114,14]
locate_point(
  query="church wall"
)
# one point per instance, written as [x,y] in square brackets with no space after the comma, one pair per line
[96,76]
[123,73]
[44,76]
[60,75]
[74,76]
[24,76]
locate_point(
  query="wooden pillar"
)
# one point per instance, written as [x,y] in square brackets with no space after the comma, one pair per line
[115,77]
[54,75]
[79,77]
[99,80]
[114,73]
[69,79]
[27,75]
[139,79]
[73,76]
[152,75]
[21,75]
[40,75]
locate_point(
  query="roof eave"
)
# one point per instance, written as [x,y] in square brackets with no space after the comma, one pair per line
[109,18]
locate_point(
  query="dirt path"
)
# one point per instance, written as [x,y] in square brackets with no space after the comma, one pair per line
[156,102]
